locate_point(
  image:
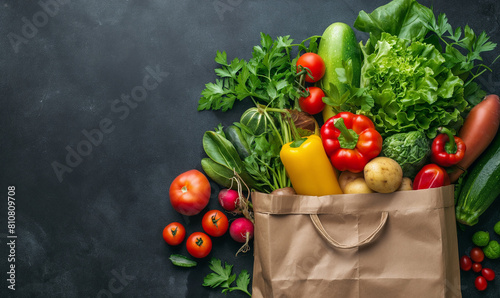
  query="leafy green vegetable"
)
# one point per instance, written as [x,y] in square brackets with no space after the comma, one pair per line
[411,150]
[402,18]
[220,150]
[222,277]
[409,20]
[269,77]
[224,163]
[262,169]
[411,88]
[182,261]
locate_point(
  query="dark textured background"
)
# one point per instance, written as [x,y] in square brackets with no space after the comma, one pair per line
[105,218]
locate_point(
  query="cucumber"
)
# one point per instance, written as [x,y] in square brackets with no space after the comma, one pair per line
[236,136]
[480,186]
[338,44]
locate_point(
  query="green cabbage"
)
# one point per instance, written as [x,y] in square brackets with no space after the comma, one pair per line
[409,88]
[410,150]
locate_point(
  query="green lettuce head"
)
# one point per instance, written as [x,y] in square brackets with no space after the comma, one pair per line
[411,88]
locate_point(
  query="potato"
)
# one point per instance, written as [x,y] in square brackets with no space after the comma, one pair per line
[357,185]
[285,191]
[406,184]
[346,177]
[383,174]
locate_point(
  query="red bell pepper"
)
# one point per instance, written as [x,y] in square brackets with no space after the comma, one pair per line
[350,141]
[447,149]
[431,176]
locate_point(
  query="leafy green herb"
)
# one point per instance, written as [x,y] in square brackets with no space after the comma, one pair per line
[409,20]
[182,261]
[269,77]
[473,45]
[222,277]
[224,160]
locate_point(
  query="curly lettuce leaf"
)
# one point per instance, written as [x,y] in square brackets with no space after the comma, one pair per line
[411,88]
[409,20]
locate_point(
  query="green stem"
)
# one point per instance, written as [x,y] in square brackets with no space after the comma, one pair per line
[340,125]
[451,146]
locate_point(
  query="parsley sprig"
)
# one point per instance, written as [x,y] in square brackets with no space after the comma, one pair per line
[269,77]
[222,277]
[463,48]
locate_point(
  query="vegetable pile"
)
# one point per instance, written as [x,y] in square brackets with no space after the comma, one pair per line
[401,111]
[485,250]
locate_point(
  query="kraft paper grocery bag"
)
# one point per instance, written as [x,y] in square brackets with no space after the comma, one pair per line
[402,244]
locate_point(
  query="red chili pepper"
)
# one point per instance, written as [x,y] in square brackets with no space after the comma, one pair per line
[350,141]
[431,176]
[447,149]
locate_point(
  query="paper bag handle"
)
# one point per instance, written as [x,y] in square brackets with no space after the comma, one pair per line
[319,227]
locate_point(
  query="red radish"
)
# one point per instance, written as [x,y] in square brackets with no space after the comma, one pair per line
[241,230]
[479,129]
[229,199]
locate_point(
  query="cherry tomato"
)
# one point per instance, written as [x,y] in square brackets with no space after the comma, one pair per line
[477,255]
[215,223]
[174,233]
[314,63]
[465,263]
[313,104]
[476,267]
[488,274]
[190,192]
[199,245]
[480,283]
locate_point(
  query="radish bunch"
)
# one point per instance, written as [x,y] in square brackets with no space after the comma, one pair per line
[242,228]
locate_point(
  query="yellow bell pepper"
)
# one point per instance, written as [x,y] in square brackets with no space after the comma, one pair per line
[309,168]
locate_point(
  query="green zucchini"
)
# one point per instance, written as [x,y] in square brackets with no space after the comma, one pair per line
[480,186]
[338,45]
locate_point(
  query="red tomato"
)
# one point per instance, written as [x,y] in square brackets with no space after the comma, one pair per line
[315,65]
[488,274]
[313,104]
[199,245]
[480,283]
[476,267]
[174,233]
[215,223]
[477,254]
[190,192]
[465,263]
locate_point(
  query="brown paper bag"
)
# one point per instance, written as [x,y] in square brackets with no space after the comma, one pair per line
[402,244]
